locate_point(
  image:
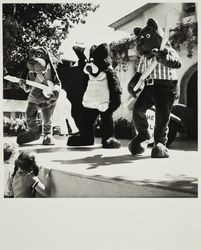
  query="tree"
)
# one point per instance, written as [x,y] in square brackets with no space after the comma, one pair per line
[185,36]
[25,25]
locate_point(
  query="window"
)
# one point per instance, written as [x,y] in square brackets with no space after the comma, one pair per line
[189,9]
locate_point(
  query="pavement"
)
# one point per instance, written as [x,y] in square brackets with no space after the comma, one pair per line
[97,172]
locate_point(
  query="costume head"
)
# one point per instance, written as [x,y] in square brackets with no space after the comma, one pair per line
[95,61]
[148,38]
[40,60]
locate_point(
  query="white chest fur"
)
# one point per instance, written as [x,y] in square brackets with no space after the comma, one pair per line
[97,94]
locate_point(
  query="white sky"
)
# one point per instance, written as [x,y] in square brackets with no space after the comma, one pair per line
[96,30]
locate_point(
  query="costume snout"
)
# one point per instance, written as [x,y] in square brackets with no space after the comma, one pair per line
[91,68]
[38,59]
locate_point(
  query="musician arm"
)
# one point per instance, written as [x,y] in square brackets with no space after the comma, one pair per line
[132,84]
[168,57]
[56,90]
[24,86]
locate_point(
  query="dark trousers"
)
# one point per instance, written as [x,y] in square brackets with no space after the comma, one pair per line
[89,117]
[162,96]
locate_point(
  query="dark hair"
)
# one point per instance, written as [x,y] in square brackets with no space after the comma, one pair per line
[9,150]
[26,161]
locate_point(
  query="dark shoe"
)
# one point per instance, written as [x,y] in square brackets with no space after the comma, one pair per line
[111,143]
[28,136]
[79,141]
[159,151]
[48,140]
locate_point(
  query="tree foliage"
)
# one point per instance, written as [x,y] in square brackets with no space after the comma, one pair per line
[25,25]
[120,48]
[185,36]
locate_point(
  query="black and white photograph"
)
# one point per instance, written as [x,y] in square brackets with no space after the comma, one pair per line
[100,100]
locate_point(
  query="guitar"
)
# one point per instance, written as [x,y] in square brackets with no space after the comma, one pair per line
[47,89]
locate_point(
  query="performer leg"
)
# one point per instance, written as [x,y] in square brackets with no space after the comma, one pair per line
[33,133]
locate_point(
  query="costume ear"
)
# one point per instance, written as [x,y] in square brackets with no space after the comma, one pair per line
[137,31]
[92,49]
[152,23]
[53,62]
[102,50]
[52,59]
[46,54]
[79,51]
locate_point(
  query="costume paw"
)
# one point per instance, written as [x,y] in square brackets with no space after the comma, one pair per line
[55,94]
[24,86]
[56,91]
[159,53]
[159,151]
[111,143]
[137,148]
[48,140]
[139,144]
[28,136]
[79,141]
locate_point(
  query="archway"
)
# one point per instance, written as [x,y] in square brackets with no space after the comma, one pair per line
[192,102]
[189,97]
[184,83]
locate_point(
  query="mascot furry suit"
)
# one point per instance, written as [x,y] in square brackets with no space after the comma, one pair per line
[160,89]
[102,96]
[40,70]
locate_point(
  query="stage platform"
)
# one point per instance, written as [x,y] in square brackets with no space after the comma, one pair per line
[95,172]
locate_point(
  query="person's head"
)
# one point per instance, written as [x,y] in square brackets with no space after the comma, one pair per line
[9,150]
[94,59]
[26,162]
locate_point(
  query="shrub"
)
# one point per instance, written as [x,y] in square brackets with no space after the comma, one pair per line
[123,129]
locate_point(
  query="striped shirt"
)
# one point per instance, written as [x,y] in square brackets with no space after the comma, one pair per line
[160,71]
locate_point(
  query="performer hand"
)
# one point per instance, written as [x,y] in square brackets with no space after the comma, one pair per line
[22,83]
[132,84]
[56,91]
[135,93]
[24,86]
[159,53]
[168,58]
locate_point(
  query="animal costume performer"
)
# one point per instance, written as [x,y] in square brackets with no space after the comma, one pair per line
[160,88]
[41,71]
[101,97]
